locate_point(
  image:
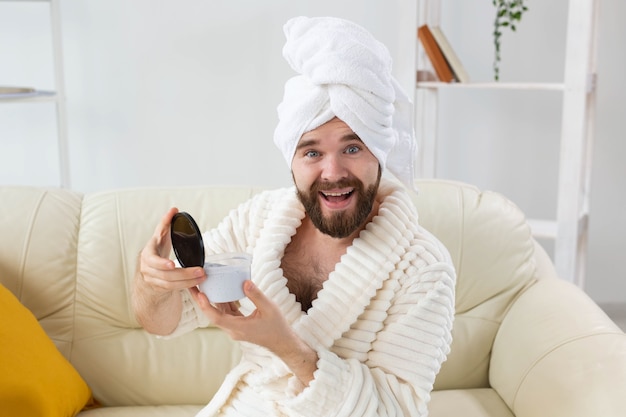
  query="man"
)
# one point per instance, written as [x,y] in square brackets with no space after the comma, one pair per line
[350,306]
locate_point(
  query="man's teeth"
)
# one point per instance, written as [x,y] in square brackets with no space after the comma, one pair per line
[336,194]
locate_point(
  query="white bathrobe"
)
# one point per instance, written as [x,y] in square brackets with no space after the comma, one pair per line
[381,324]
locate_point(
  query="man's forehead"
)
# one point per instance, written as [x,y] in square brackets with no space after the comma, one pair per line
[310,140]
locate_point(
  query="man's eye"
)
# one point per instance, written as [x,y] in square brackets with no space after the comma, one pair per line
[353,149]
[311,154]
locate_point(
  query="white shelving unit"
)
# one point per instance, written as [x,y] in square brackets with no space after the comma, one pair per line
[57,96]
[569,230]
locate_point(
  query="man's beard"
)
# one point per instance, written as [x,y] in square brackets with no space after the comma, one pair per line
[342,223]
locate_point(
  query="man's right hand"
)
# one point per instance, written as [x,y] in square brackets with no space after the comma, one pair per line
[158,282]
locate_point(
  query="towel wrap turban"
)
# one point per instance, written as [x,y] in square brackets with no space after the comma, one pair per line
[344,72]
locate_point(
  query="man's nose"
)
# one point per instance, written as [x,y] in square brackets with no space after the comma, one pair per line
[333,169]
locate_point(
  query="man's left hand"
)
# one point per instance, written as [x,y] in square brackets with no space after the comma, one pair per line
[265,326]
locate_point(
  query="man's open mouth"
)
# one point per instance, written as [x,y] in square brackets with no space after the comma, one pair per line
[334,196]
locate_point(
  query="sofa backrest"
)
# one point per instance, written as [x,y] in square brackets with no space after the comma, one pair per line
[110,349]
[38,247]
[494,255]
[71,260]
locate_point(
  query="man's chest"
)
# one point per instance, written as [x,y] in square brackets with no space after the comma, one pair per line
[306,269]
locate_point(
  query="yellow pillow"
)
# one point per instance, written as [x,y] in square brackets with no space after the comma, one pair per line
[35,378]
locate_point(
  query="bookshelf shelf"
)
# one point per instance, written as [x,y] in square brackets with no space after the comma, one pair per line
[34,96]
[543,229]
[570,228]
[492,86]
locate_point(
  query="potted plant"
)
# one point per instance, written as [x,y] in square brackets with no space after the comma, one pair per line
[508,14]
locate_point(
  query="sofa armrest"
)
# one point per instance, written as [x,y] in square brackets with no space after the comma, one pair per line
[558,354]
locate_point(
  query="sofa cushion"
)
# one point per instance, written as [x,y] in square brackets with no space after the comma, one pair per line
[144,411]
[36,380]
[483,402]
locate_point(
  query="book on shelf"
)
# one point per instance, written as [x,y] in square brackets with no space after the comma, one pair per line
[16,90]
[438,61]
[451,57]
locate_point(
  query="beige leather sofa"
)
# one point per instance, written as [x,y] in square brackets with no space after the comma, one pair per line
[526,343]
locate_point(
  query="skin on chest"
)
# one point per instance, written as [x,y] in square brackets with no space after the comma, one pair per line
[306,266]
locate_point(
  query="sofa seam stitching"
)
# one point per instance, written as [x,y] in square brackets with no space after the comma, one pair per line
[76,277]
[25,248]
[123,256]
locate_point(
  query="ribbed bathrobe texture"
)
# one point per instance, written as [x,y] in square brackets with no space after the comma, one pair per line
[381,324]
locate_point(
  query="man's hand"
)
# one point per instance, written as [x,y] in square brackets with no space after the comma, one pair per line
[156,299]
[157,270]
[265,326]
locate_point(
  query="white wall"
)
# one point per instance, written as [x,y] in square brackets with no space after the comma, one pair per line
[164,92]
[172,92]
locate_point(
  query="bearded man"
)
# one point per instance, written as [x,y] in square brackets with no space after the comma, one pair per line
[350,305]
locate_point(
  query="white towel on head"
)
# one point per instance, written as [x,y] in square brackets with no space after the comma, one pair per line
[345,72]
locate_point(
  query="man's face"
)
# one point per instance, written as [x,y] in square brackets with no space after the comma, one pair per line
[337,178]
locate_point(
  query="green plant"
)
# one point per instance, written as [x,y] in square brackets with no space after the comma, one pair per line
[508,14]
